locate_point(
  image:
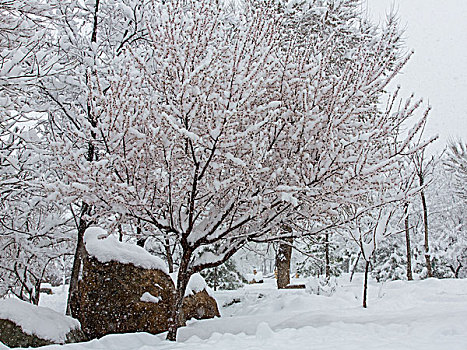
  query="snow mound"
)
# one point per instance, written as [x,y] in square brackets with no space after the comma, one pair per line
[322,285]
[196,284]
[264,332]
[149,298]
[106,248]
[40,321]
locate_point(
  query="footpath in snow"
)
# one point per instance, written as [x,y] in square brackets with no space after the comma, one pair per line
[425,315]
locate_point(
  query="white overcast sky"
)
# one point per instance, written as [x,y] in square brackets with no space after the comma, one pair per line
[437,31]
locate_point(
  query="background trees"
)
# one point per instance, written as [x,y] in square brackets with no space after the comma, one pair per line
[456,163]
[91,34]
[33,229]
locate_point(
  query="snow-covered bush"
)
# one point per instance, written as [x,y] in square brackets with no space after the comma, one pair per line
[390,263]
[322,285]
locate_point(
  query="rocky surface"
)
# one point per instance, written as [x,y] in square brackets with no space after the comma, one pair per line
[125,289]
[123,298]
[199,306]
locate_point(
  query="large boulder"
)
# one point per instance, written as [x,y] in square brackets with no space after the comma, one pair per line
[25,325]
[123,289]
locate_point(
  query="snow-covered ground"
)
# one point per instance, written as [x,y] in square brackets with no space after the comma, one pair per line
[429,314]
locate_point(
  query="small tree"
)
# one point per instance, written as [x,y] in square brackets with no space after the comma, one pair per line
[34,229]
[423,169]
[367,231]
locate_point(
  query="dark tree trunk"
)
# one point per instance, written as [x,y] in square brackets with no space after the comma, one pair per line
[140,241]
[168,255]
[73,300]
[283,258]
[37,293]
[425,224]
[407,241]
[355,266]
[455,271]
[215,278]
[120,233]
[365,283]
[182,282]
[326,251]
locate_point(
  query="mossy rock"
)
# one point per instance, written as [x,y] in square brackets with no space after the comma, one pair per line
[13,336]
[200,306]
[75,336]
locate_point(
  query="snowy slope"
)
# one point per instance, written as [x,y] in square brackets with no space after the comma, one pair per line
[428,315]
[437,32]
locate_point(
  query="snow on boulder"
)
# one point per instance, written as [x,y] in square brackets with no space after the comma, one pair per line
[106,248]
[25,325]
[124,288]
[196,284]
[149,298]
[264,332]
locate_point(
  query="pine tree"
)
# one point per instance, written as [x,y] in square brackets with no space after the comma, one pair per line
[224,277]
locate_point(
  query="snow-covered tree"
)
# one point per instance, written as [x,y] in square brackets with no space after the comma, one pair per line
[456,163]
[322,255]
[89,37]
[389,261]
[24,61]
[225,276]
[213,133]
[33,229]
[447,219]
[424,168]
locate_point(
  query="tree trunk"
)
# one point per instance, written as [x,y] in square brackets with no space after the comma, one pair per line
[365,283]
[73,299]
[455,271]
[168,254]
[283,259]
[215,278]
[326,251]
[182,282]
[72,307]
[355,266]
[407,241]
[140,241]
[120,233]
[425,222]
[37,293]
